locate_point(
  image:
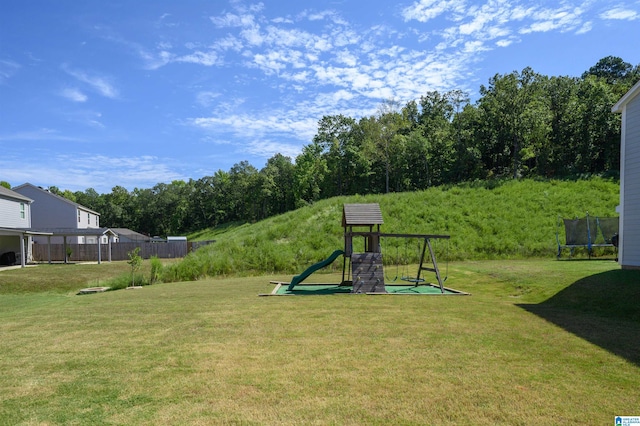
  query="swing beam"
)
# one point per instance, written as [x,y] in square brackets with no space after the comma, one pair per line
[426,245]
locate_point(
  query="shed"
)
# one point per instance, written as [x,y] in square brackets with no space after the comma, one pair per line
[629,209]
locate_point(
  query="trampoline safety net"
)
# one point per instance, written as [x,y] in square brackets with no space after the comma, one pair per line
[589,232]
[578,231]
[608,227]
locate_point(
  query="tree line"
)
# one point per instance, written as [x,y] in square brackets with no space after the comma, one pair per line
[523,124]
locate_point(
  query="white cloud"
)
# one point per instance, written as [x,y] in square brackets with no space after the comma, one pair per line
[231,20]
[73,94]
[267,149]
[208,59]
[262,125]
[562,19]
[8,69]
[43,134]
[426,10]
[85,170]
[620,13]
[586,27]
[206,98]
[100,84]
[504,42]
[281,20]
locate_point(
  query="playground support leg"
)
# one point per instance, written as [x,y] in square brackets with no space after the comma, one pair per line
[427,243]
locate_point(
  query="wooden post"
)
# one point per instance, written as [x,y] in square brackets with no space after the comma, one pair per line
[22,252]
[99,249]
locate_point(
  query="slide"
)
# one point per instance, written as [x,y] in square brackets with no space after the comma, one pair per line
[313,268]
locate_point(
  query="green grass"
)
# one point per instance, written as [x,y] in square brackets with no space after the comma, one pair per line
[486,220]
[540,342]
[60,278]
[69,278]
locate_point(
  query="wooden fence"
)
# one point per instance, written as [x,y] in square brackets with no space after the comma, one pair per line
[119,251]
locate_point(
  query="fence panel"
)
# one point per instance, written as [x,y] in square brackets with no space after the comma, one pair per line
[119,251]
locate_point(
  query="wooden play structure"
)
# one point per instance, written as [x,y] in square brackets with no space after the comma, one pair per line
[364,271]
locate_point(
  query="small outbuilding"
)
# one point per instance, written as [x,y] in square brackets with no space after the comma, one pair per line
[629,209]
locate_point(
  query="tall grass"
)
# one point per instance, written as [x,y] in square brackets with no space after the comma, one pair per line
[486,220]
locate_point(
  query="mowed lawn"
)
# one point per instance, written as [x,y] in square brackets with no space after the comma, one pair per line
[539,342]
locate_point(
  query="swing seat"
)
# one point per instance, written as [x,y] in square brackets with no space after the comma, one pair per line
[413,280]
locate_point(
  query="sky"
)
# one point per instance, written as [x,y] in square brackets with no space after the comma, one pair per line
[97,94]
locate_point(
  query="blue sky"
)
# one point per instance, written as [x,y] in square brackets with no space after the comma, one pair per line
[95,94]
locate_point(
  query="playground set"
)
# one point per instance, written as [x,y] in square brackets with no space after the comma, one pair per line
[363,272]
[588,233]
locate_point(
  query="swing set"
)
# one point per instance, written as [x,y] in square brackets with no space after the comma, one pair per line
[363,267]
[365,270]
[404,275]
[425,265]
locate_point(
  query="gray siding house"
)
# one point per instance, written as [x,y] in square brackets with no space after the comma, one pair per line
[15,224]
[629,244]
[50,212]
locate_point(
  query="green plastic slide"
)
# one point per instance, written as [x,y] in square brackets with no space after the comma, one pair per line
[313,268]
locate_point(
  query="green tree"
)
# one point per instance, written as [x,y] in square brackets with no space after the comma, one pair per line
[514,118]
[597,141]
[90,198]
[116,210]
[310,172]
[244,187]
[277,186]
[563,109]
[468,153]
[437,113]
[336,136]
[135,261]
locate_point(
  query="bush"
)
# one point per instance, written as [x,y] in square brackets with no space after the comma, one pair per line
[156,270]
[124,281]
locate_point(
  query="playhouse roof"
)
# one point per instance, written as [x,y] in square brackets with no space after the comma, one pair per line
[361,215]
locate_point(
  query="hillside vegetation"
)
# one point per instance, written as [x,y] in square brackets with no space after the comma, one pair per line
[486,220]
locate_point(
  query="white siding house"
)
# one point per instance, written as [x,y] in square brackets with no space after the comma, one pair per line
[629,244]
[54,213]
[15,222]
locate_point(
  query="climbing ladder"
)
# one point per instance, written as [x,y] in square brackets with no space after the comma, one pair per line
[367,273]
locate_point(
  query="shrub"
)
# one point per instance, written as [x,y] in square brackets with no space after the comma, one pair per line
[124,281]
[155,274]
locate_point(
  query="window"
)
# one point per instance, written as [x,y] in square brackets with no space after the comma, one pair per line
[89,218]
[22,211]
[78,216]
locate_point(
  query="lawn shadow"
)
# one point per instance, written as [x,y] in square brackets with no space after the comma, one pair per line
[603,309]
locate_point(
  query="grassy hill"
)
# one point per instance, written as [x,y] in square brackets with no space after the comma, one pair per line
[486,220]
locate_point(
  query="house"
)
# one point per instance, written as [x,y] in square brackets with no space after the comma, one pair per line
[64,218]
[125,235]
[15,227]
[629,209]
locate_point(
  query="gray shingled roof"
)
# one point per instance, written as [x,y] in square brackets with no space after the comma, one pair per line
[362,215]
[59,197]
[7,193]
